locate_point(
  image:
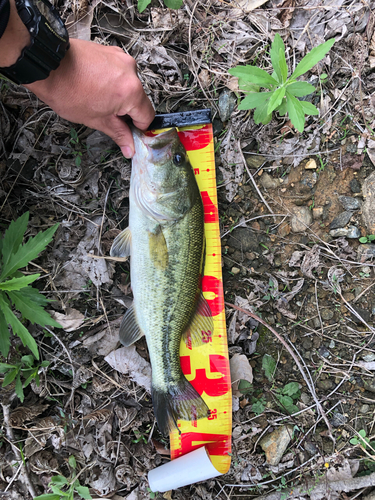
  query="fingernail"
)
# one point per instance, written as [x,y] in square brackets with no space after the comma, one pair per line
[127,152]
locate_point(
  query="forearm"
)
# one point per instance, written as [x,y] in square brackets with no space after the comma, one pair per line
[15,38]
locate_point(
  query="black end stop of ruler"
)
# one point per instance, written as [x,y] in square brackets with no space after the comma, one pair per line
[183,119]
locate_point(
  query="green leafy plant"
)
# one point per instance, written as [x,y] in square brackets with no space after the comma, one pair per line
[23,369]
[65,489]
[16,294]
[153,494]
[363,441]
[367,239]
[286,395]
[269,366]
[282,92]
[171,4]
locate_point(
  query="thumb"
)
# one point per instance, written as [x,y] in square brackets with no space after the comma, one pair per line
[119,131]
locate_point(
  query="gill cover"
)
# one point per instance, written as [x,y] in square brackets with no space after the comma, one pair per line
[163,184]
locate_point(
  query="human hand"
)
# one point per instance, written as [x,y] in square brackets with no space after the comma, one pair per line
[97,85]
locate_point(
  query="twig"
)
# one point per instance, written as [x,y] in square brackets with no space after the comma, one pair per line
[296,360]
[19,458]
[71,364]
[253,181]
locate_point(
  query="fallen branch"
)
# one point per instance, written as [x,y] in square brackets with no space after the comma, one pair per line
[321,490]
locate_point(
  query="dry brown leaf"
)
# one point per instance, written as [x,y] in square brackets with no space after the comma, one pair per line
[240,369]
[127,360]
[22,414]
[71,320]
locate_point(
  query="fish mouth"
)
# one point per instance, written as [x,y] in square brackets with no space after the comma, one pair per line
[154,148]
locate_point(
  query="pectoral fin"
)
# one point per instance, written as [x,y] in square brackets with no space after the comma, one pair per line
[130,331]
[122,244]
[201,327]
[158,249]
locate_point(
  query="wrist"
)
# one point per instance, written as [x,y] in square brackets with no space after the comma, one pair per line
[15,38]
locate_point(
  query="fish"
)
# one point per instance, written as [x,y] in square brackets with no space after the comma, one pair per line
[165,242]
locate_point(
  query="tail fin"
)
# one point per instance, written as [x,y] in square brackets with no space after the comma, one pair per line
[181,401]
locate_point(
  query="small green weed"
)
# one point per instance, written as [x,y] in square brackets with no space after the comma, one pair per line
[24,369]
[269,366]
[282,92]
[367,239]
[286,395]
[153,494]
[171,4]
[363,441]
[15,290]
[65,489]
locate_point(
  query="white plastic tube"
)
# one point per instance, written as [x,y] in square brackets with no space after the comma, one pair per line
[190,468]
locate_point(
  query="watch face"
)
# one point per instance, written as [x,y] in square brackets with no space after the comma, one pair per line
[46,11]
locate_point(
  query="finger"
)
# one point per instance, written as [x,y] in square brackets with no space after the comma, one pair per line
[143,114]
[140,110]
[119,131]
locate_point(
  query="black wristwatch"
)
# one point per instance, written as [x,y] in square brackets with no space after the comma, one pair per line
[49,42]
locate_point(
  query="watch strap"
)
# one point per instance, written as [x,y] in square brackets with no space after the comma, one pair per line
[37,63]
[46,48]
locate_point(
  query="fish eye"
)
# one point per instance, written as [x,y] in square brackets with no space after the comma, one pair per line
[178,159]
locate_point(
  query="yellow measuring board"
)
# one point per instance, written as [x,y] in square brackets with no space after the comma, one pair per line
[207,366]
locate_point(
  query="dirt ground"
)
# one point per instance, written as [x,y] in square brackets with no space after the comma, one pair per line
[292,208]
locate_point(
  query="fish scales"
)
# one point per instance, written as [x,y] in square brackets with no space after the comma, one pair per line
[167,297]
[165,240]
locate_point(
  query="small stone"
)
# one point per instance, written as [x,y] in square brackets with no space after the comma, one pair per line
[305,398]
[275,443]
[369,357]
[269,182]
[301,219]
[369,385]
[338,419]
[309,179]
[355,186]
[311,164]
[255,161]
[364,409]
[327,314]
[332,344]
[235,270]
[317,213]
[323,351]
[348,296]
[310,448]
[250,255]
[341,220]
[325,385]
[226,104]
[350,203]
[284,229]
[365,252]
[350,232]
[366,269]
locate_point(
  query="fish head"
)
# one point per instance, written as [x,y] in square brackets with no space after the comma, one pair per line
[163,181]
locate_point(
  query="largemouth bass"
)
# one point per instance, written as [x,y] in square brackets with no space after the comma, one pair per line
[165,240]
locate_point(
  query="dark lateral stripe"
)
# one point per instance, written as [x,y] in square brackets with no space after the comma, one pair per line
[198,117]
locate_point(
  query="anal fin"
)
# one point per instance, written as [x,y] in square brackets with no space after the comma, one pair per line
[201,327]
[122,244]
[130,331]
